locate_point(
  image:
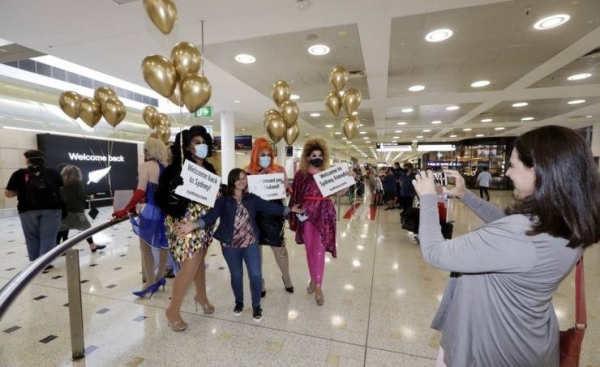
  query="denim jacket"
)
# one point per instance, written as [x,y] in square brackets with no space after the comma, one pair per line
[225,208]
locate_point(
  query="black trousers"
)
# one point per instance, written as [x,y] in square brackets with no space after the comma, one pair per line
[483,190]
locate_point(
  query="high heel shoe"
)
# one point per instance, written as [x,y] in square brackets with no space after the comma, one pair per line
[162,282]
[319,298]
[311,288]
[178,325]
[98,247]
[151,289]
[288,289]
[206,308]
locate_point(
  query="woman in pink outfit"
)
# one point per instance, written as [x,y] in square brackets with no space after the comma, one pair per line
[317,230]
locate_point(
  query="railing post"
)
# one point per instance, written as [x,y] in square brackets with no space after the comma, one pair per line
[75,307]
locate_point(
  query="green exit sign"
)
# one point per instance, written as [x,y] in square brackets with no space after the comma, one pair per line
[205,111]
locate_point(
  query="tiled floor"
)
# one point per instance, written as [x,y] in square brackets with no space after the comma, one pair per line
[380,298]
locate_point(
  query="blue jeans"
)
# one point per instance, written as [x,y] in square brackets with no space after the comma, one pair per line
[251,256]
[40,228]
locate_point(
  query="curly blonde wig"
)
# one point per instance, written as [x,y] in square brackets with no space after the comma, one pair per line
[157,150]
[311,145]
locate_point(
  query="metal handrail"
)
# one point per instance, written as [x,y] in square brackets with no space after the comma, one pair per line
[12,290]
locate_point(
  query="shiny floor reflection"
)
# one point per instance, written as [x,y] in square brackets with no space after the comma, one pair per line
[379,300]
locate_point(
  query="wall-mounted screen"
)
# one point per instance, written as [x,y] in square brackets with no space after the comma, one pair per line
[242,142]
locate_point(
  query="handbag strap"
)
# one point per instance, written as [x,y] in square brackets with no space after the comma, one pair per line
[580,310]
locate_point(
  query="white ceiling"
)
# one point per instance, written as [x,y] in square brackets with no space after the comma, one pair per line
[493,40]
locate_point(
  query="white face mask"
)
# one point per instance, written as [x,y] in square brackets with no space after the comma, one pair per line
[264,162]
[201,151]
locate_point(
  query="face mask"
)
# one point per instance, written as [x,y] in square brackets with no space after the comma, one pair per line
[264,162]
[316,162]
[201,151]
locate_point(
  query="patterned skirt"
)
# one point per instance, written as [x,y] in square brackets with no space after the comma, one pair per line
[184,248]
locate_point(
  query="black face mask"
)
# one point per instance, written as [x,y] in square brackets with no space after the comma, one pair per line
[316,162]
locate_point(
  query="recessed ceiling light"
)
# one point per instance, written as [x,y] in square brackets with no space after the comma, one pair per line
[366,137]
[415,141]
[329,126]
[467,129]
[361,125]
[419,136]
[520,104]
[363,132]
[452,108]
[245,59]
[436,122]
[576,101]
[399,131]
[438,35]
[237,101]
[453,136]
[579,76]
[395,137]
[318,50]
[551,21]
[416,88]
[368,142]
[211,120]
[527,118]
[401,123]
[407,110]
[480,83]
[315,114]
[426,131]
[479,135]
[344,139]
[498,128]
[337,133]
[294,97]
[589,116]
[487,120]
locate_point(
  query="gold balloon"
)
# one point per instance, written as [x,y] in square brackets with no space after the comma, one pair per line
[90,111]
[163,122]
[338,77]
[291,134]
[281,92]
[69,103]
[268,114]
[333,102]
[150,115]
[289,112]
[163,13]
[153,135]
[175,98]
[350,126]
[276,128]
[196,90]
[186,59]
[101,94]
[114,111]
[160,74]
[163,134]
[351,100]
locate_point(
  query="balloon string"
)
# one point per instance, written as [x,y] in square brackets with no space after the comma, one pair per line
[202,44]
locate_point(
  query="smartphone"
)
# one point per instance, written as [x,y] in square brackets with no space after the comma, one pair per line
[440,179]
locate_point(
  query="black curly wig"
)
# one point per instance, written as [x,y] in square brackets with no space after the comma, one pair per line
[187,138]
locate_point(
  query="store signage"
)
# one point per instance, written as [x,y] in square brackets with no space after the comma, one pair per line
[393,147]
[268,187]
[199,185]
[334,179]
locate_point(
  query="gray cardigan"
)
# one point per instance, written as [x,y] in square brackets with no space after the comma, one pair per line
[497,310]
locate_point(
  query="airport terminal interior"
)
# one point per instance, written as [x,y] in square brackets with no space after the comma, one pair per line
[439,84]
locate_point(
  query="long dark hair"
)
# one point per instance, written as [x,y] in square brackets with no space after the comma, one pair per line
[233,176]
[565,202]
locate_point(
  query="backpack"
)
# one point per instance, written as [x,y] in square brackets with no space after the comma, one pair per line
[41,191]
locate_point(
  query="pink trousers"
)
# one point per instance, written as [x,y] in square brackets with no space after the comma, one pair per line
[315,252]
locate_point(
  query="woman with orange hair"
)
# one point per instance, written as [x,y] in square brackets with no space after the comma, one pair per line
[262,162]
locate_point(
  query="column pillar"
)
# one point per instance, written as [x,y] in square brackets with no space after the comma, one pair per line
[227,143]
[596,139]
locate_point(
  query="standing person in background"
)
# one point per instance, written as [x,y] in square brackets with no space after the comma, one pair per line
[378,190]
[389,189]
[150,226]
[483,181]
[262,162]
[37,189]
[317,231]
[194,145]
[407,191]
[237,210]
[497,310]
[75,199]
